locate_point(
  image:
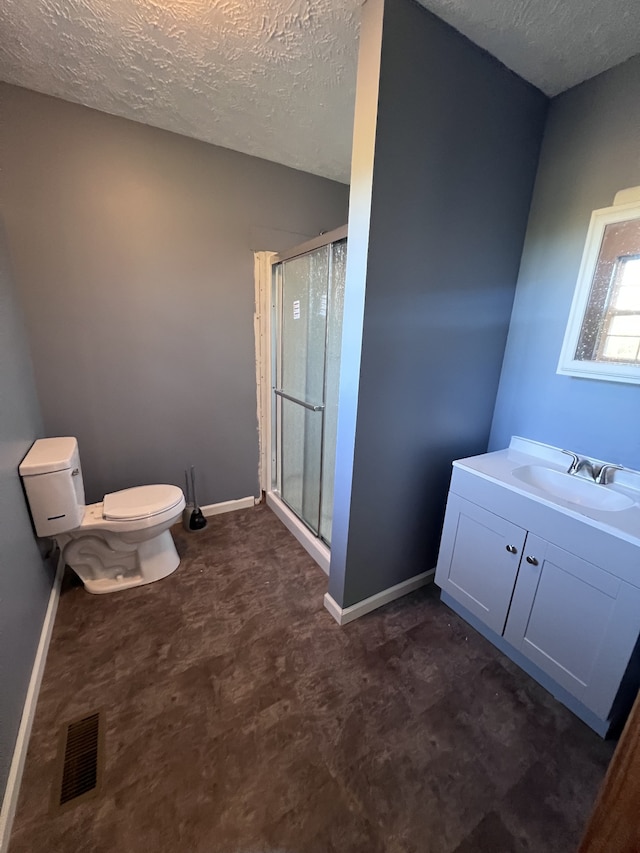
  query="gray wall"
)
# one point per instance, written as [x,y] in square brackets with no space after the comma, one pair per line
[591,150]
[456,149]
[133,249]
[25,580]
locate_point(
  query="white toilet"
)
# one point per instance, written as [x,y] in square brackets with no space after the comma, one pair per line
[117,544]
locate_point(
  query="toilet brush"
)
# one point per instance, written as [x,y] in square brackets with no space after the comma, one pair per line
[197,520]
[188,507]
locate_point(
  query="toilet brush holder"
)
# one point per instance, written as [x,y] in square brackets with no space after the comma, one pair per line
[188,507]
[186,516]
[192,516]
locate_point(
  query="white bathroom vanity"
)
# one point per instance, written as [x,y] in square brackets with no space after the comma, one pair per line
[546,565]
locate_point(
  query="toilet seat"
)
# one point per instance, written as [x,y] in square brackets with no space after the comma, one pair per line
[140,502]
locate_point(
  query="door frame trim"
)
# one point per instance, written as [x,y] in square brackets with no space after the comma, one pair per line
[263,263]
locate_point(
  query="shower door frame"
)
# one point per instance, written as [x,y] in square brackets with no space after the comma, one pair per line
[268,340]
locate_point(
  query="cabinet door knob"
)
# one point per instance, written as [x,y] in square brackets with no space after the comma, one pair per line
[512,549]
[532,561]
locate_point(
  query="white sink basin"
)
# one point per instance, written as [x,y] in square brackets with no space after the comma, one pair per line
[573,489]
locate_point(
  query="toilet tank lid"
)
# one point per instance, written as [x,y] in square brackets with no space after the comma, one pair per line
[140,502]
[48,455]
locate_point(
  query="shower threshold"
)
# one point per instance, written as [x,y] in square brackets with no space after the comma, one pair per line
[315,547]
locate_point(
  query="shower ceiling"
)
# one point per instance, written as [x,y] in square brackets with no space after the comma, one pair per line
[276,78]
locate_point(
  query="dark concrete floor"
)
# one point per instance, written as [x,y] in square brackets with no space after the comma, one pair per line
[240,718]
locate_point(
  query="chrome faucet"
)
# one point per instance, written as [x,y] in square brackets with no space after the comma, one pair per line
[580,463]
[587,464]
[575,461]
[601,476]
[599,473]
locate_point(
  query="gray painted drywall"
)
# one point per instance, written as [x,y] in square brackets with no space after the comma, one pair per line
[456,148]
[362,163]
[133,254]
[591,150]
[25,579]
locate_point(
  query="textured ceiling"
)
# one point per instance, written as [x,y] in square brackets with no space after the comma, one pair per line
[276,78]
[555,44]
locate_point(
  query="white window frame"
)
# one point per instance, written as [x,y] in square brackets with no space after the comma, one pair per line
[568,364]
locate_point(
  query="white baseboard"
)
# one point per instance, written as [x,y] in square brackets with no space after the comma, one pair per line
[10,800]
[348,614]
[311,544]
[229,506]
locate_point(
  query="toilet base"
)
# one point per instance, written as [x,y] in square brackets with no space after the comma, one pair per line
[98,587]
[154,559]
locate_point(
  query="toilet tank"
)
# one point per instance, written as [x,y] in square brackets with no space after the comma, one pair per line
[52,479]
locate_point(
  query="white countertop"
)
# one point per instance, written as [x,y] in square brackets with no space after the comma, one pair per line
[500,465]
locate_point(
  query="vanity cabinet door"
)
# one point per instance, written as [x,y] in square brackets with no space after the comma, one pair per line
[575,621]
[478,561]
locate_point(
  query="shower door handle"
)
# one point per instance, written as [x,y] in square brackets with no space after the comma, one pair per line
[309,406]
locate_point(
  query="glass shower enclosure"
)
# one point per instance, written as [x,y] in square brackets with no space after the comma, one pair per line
[307,311]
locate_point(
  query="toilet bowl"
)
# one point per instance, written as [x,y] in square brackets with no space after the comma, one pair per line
[121,542]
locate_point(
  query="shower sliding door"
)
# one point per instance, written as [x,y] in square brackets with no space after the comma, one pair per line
[307,308]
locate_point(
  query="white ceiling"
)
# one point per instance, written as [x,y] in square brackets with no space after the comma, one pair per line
[276,78]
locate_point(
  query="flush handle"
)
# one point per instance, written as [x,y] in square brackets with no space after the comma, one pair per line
[532,561]
[512,549]
[75,472]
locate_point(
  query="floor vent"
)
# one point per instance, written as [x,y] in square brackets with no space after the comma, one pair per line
[79,775]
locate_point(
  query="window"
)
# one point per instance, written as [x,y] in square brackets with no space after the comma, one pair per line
[620,337]
[602,339]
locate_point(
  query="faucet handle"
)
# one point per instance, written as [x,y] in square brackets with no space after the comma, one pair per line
[601,478]
[575,461]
